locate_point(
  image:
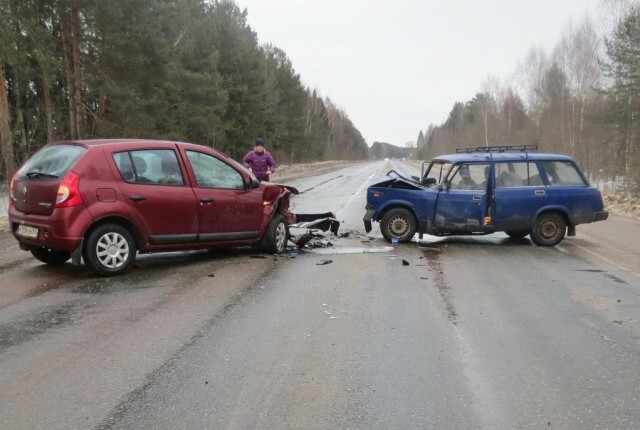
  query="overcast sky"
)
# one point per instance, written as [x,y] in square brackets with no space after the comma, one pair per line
[397,66]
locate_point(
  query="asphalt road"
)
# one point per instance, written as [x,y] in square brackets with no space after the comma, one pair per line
[455,333]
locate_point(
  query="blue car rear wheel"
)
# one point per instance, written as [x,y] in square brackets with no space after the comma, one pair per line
[549,229]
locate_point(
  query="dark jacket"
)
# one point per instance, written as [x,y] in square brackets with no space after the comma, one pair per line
[260,163]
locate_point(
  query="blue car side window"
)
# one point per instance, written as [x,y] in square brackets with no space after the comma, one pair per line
[562,173]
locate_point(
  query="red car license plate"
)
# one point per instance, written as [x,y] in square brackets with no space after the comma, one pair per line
[26,231]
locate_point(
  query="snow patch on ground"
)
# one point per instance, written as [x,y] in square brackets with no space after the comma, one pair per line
[622,205]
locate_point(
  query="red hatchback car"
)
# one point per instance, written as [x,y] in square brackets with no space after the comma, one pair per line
[105,200]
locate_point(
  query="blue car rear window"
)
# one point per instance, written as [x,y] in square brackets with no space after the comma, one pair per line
[562,173]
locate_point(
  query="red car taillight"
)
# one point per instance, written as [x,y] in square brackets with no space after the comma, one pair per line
[69,192]
[11,189]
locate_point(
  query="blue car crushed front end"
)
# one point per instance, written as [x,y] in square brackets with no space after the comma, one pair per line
[396,190]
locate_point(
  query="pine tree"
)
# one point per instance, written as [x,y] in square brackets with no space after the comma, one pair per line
[623,50]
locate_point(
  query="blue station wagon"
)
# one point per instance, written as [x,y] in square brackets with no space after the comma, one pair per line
[485,190]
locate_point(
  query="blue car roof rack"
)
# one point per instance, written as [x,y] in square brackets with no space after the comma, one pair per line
[501,148]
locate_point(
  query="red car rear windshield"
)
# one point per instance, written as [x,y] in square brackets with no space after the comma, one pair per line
[51,162]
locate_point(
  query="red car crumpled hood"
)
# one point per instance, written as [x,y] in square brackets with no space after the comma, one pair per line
[277,196]
[273,192]
[320,221]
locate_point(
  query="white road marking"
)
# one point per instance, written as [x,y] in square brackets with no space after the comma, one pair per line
[608,260]
[352,250]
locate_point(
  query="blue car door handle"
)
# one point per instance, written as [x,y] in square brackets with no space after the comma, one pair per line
[477,198]
[540,193]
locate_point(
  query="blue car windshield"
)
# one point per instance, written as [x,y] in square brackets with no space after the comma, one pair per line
[438,170]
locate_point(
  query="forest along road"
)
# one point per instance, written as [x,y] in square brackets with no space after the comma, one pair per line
[448,333]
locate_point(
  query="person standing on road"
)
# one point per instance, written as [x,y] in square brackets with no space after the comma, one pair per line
[259,161]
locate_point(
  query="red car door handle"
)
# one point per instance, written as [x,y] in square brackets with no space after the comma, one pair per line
[206,200]
[138,198]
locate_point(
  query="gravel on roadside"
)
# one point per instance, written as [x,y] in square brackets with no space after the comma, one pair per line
[623,205]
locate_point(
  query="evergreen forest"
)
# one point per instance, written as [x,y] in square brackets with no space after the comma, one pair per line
[189,70]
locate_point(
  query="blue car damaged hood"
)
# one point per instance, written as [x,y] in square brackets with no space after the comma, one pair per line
[394,179]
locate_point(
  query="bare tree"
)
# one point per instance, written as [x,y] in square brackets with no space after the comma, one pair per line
[530,78]
[577,54]
[496,91]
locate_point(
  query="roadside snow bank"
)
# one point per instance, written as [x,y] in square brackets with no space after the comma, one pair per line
[624,205]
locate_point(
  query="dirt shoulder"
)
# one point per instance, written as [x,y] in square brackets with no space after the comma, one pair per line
[286,172]
[622,205]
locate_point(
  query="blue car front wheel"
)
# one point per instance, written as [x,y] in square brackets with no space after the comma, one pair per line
[399,223]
